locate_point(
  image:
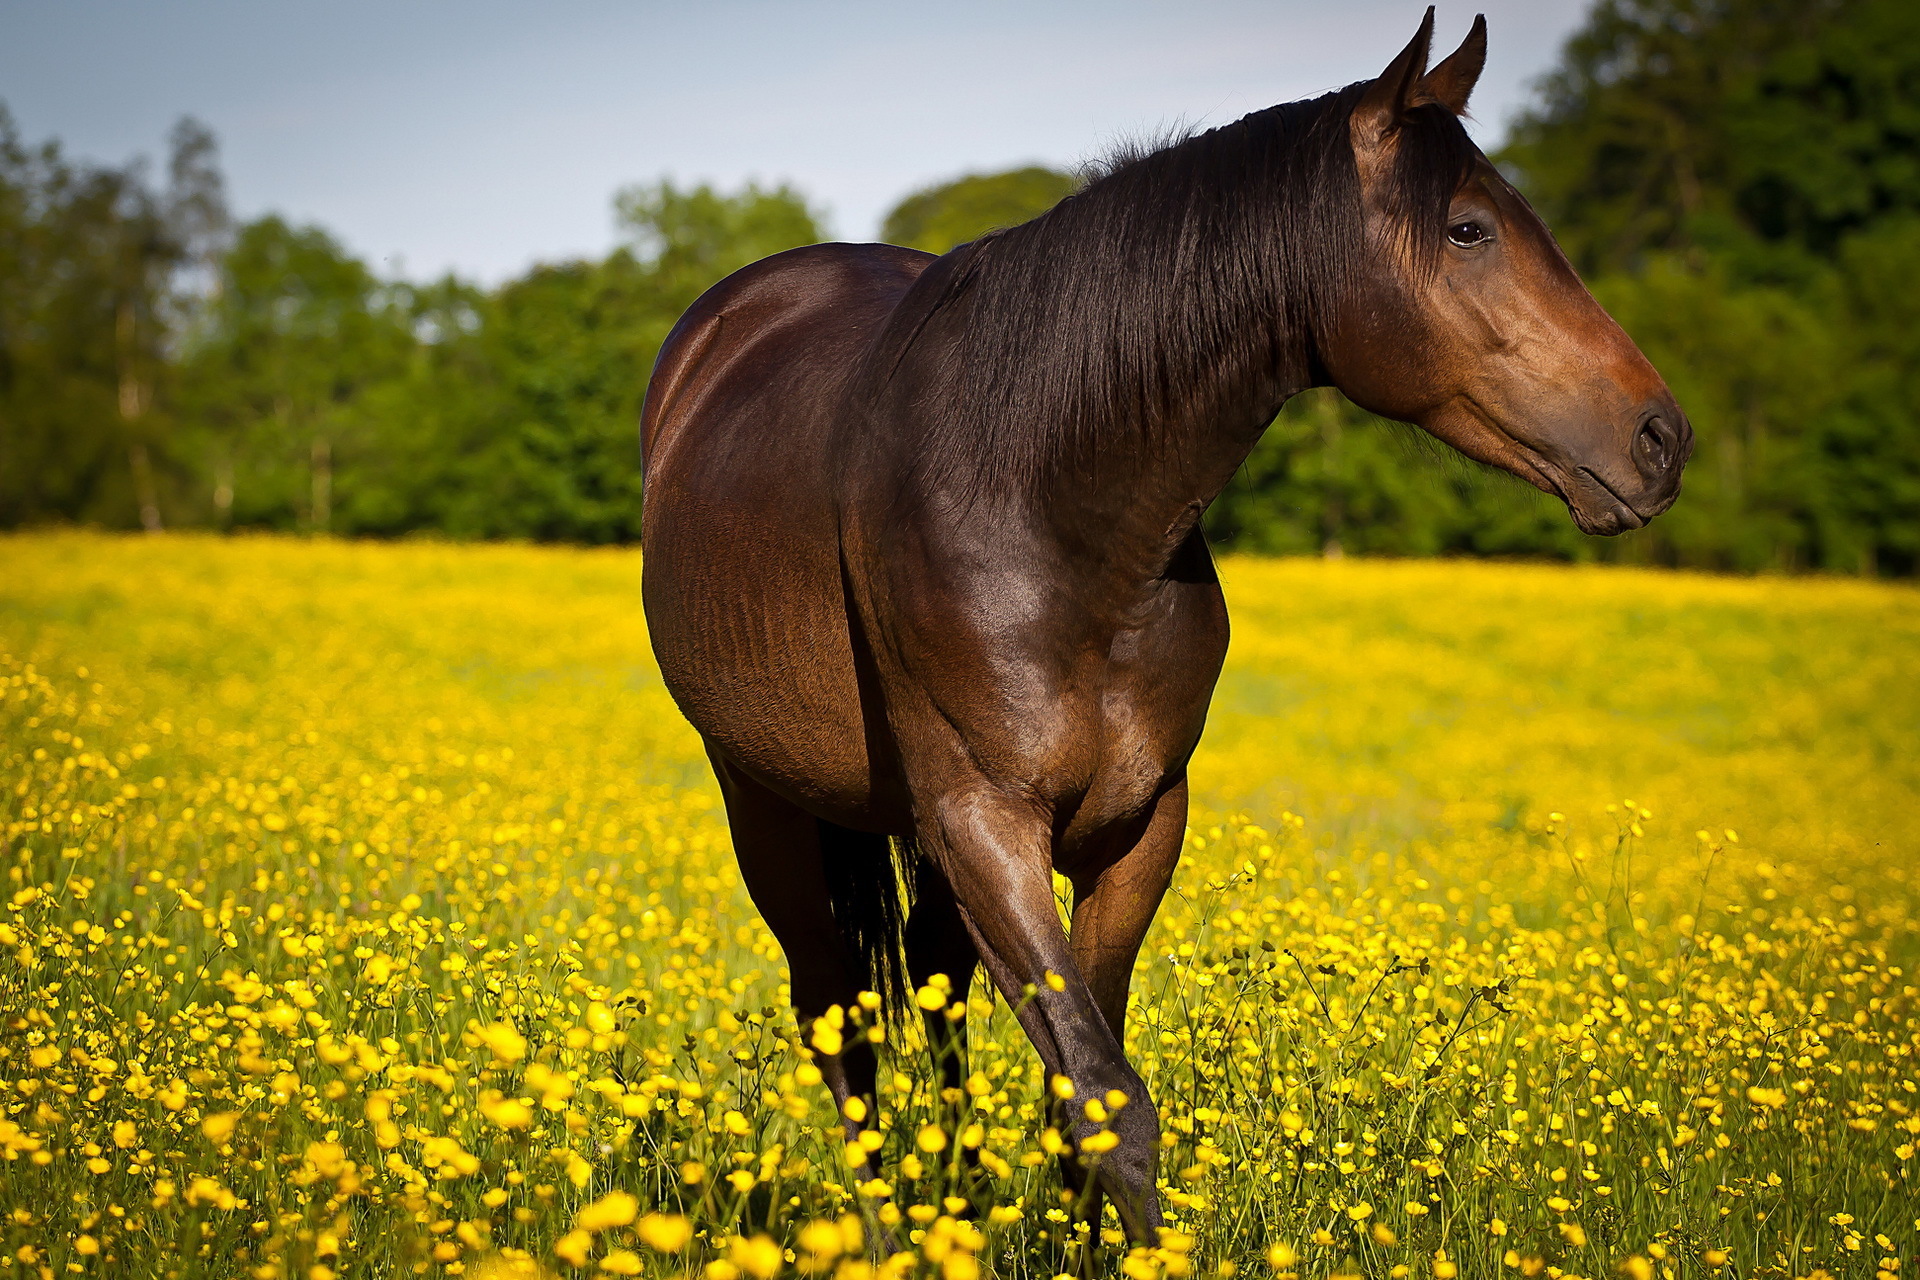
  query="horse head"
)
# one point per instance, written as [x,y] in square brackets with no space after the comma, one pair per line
[1464,317]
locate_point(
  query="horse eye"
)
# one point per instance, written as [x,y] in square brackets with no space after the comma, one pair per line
[1467,234]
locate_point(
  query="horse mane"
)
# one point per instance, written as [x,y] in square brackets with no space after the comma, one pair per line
[1175,274]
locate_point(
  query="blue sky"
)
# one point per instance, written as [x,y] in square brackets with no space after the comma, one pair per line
[482,136]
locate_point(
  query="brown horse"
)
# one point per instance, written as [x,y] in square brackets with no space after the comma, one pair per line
[923,562]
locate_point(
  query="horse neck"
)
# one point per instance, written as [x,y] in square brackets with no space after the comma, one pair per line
[1129,347]
[1128,503]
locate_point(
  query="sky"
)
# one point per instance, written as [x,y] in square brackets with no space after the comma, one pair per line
[481,137]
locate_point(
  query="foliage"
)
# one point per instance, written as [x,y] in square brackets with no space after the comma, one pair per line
[1762,130]
[951,213]
[87,258]
[1329,479]
[329,950]
[278,369]
[1738,180]
[157,369]
[1742,176]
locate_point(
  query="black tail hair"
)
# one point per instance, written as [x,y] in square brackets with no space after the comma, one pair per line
[870,883]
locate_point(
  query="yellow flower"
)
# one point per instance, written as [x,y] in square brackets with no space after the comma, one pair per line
[759,1257]
[507,1113]
[821,1238]
[218,1127]
[328,1159]
[1763,1097]
[668,1233]
[503,1041]
[574,1247]
[615,1209]
[827,1038]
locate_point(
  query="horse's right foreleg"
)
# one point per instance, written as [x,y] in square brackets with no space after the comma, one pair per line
[996,852]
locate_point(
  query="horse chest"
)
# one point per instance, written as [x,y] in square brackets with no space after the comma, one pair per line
[1142,724]
[1146,733]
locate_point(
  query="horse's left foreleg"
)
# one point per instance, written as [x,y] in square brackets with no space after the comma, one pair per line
[1114,905]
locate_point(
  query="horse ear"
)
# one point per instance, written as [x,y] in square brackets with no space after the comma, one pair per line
[1450,83]
[1389,96]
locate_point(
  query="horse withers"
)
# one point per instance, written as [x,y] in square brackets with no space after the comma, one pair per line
[923,562]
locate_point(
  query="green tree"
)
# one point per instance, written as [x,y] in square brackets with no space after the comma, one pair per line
[278,369]
[535,405]
[687,241]
[1751,128]
[90,292]
[939,217]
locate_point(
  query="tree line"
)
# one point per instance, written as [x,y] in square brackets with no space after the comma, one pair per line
[1738,180]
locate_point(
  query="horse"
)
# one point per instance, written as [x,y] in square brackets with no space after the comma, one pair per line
[922,554]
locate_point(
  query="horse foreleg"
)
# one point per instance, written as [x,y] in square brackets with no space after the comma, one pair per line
[996,850]
[1114,906]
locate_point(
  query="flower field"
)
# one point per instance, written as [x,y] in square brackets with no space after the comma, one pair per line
[370,913]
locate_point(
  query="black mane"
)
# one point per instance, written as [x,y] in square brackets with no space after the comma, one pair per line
[1149,295]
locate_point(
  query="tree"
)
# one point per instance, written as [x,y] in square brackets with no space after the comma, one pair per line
[549,447]
[90,285]
[277,371]
[951,213]
[687,241]
[1756,129]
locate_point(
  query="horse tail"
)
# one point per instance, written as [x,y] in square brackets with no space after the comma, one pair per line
[870,883]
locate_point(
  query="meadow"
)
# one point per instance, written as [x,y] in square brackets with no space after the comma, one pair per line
[370,913]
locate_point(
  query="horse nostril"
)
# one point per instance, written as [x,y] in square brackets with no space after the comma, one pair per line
[1656,445]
